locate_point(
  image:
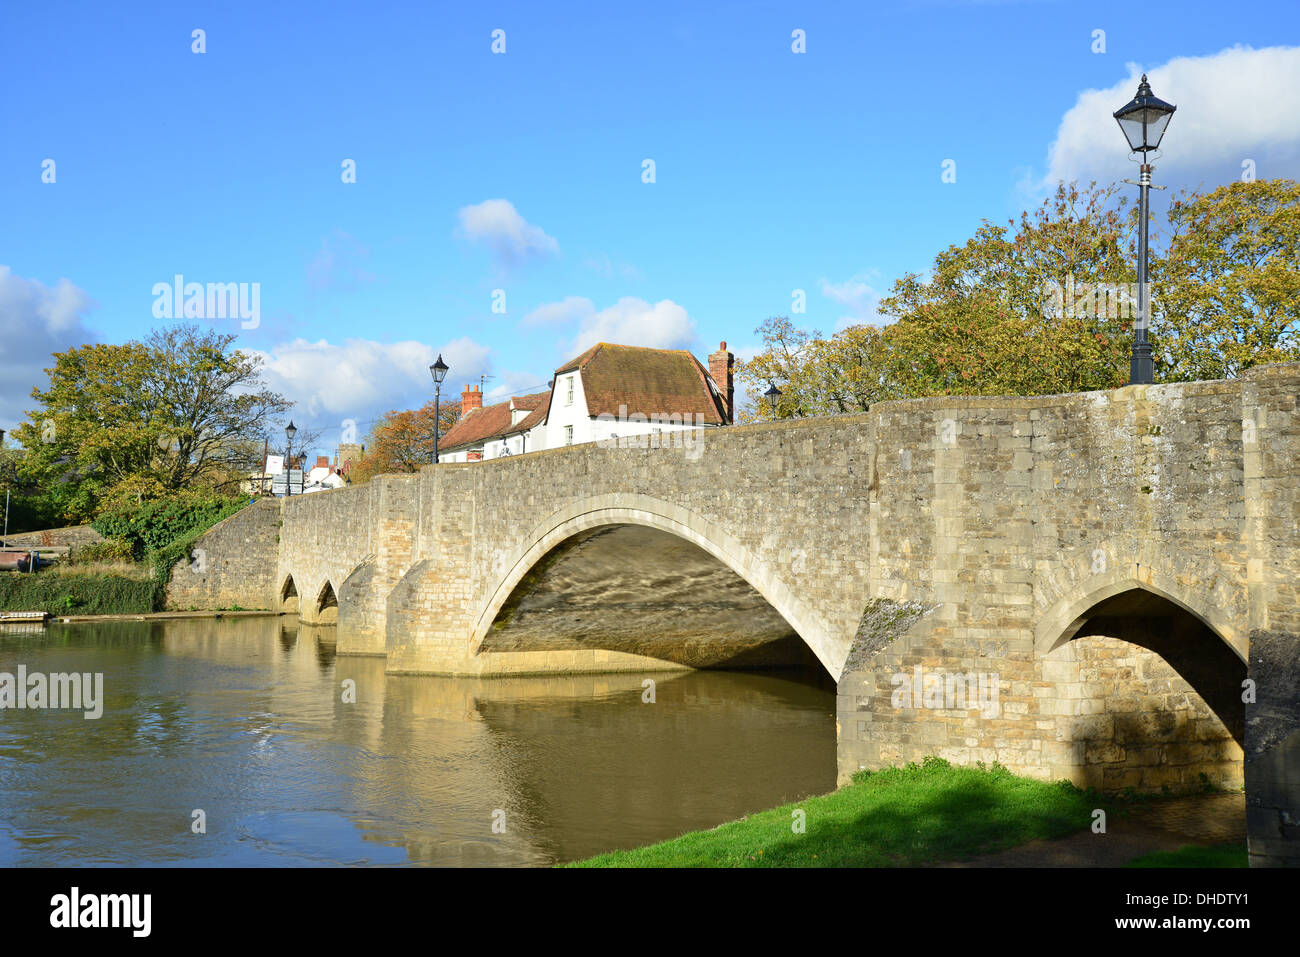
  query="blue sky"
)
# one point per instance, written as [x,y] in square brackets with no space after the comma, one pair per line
[522,171]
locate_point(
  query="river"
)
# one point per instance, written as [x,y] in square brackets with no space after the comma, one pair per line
[296,756]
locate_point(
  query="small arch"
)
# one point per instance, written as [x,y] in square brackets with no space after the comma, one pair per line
[1154,690]
[1062,621]
[289,596]
[327,605]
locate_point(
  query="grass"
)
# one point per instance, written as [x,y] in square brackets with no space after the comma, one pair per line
[113,569]
[898,817]
[76,593]
[1194,855]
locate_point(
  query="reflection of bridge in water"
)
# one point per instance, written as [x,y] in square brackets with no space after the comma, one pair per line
[1122,561]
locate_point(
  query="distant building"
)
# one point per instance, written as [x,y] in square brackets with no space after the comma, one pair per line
[608,392]
[322,476]
[348,455]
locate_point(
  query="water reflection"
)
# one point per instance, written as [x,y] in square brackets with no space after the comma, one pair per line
[247,720]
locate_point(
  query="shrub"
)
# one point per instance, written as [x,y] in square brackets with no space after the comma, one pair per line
[109,550]
[154,525]
[76,594]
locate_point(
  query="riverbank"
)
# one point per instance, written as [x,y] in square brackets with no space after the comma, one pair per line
[934,814]
[897,817]
[164,616]
[71,591]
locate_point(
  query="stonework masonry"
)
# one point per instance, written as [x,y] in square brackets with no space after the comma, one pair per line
[1124,563]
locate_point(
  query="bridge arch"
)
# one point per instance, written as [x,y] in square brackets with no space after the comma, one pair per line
[1148,686]
[327,605]
[289,599]
[633,509]
[1062,621]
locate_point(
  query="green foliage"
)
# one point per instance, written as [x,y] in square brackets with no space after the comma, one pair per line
[990,316]
[76,594]
[123,424]
[1227,285]
[163,560]
[154,525]
[109,550]
[31,511]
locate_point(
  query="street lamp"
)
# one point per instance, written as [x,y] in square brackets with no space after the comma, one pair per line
[289,433]
[1143,121]
[773,396]
[439,372]
[5,541]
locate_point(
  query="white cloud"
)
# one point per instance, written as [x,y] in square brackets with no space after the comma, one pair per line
[1235,105]
[361,379]
[859,297]
[35,322]
[635,322]
[512,240]
[567,310]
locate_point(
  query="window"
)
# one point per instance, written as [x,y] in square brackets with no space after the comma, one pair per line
[569,400]
[655,438]
[568,433]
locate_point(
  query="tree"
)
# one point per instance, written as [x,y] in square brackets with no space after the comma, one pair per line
[122,423]
[1228,282]
[403,441]
[1002,314]
[836,376]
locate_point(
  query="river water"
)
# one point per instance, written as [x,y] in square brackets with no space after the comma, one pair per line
[246,720]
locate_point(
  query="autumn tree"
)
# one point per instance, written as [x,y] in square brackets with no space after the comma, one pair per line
[835,376]
[1227,281]
[402,441]
[1001,314]
[126,423]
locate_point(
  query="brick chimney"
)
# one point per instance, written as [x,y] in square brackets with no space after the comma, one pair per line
[322,461]
[470,400]
[721,367]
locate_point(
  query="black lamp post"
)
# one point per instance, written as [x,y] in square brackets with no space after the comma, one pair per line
[1143,121]
[289,433]
[5,541]
[439,372]
[773,396]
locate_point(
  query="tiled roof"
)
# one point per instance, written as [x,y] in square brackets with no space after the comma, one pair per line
[634,379]
[493,422]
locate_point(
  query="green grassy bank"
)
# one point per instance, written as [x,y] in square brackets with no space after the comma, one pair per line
[897,817]
[78,594]
[1217,855]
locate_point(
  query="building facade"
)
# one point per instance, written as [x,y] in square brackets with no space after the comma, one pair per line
[610,393]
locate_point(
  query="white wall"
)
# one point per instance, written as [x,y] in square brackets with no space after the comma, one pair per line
[563,414]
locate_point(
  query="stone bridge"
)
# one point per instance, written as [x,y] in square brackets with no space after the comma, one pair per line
[1100,586]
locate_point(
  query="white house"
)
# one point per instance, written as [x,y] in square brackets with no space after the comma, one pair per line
[610,394]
